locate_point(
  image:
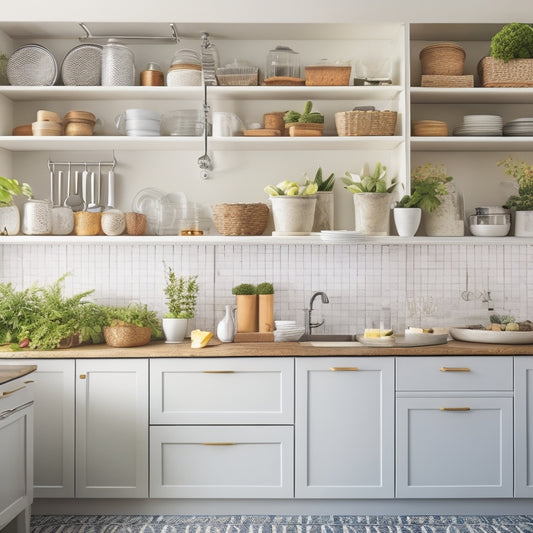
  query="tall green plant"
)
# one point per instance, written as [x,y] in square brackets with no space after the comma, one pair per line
[181,295]
[522,173]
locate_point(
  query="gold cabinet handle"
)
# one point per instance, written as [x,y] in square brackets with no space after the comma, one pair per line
[454,408]
[344,369]
[218,371]
[8,392]
[454,369]
[28,382]
[83,376]
[218,443]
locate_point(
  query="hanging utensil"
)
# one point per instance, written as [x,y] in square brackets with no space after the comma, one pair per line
[84,176]
[52,186]
[74,201]
[59,187]
[110,189]
[204,161]
[93,206]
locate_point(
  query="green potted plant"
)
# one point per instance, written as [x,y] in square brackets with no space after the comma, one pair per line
[265,294]
[521,204]
[181,295]
[293,207]
[372,196]
[9,213]
[3,69]
[510,61]
[306,123]
[246,301]
[325,200]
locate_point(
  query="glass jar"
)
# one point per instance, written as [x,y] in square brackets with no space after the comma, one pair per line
[185,69]
[37,218]
[118,67]
[282,61]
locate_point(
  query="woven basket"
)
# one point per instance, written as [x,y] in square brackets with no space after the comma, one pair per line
[496,73]
[327,75]
[240,219]
[126,336]
[351,123]
[443,58]
[436,80]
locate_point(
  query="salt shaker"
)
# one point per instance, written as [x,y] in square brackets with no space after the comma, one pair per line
[118,66]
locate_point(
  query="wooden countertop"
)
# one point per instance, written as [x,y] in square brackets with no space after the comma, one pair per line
[267,349]
[11,372]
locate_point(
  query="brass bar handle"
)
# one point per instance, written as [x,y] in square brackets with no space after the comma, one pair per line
[29,381]
[218,444]
[218,371]
[83,376]
[454,369]
[8,392]
[344,369]
[454,408]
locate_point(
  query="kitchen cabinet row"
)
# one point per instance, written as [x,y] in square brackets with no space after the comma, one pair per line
[267,427]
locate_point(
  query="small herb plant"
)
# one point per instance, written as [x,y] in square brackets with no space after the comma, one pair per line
[307,116]
[181,295]
[513,41]
[265,288]
[369,182]
[291,188]
[244,289]
[134,314]
[522,173]
[9,188]
[323,185]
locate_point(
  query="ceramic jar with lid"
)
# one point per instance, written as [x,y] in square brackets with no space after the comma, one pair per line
[185,69]
[62,220]
[37,219]
[118,67]
[152,75]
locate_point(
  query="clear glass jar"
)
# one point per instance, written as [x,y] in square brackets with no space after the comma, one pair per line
[37,218]
[282,61]
[118,66]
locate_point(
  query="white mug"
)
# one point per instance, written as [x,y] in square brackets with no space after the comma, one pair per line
[226,124]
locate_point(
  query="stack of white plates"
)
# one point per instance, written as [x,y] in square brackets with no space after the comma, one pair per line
[183,122]
[287,331]
[341,236]
[480,125]
[519,127]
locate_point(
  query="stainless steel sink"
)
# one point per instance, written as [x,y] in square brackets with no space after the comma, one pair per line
[329,341]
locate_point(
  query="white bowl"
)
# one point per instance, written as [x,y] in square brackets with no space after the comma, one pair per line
[490,230]
[142,124]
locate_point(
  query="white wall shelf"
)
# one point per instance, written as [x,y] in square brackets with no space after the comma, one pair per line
[470,144]
[474,95]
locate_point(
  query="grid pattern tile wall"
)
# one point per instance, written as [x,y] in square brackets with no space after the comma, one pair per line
[422,284]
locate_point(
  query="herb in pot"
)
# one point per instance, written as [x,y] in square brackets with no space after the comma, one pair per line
[181,295]
[369,182]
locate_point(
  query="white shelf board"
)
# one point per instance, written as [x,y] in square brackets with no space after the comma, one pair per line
[472,95]
[470,144]
[50,93]
[47,143]
[453,32]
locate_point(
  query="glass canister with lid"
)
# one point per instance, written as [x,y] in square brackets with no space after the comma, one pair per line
[282,61]
[118,66]
[185,69]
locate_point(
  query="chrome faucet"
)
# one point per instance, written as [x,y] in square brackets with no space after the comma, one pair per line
[309,325]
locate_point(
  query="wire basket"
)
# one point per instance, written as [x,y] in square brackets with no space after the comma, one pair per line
[241,218]
[515,73]
[355,123]
[443,58]
[32,64]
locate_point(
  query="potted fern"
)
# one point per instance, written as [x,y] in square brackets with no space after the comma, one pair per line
[181,294]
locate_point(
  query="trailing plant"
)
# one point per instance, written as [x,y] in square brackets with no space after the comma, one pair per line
[181,295]
[135,313]
[369,182]
[322,185]
[513,41]
[522,173]
[9,188]
[244,289]
[265,288]
[306,116]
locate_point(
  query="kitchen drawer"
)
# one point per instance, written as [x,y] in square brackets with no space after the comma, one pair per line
[16,393]
[454,373]
[222,391]
[221,462]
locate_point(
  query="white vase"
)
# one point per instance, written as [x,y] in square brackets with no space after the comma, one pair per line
[523,223]
[174,329]
[227,326]
[293,214]
[372,212]
[407,220]
[447,220]
[9,219]
[324,210]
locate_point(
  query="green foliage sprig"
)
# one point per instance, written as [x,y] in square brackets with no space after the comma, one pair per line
[369,182]
[522,173]
[244,289]
[9,188]
[513,41]
[265,288]
[181,295]
[307,116]
[324,185]
[135,313]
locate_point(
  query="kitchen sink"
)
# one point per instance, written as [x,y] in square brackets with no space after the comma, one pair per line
[329,341]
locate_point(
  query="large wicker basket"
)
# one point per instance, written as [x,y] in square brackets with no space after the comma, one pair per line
[127,335]
[240,218]
[496,73]
[443,58]
[327,75]
[351,123]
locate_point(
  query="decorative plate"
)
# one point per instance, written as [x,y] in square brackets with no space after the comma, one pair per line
[492,337]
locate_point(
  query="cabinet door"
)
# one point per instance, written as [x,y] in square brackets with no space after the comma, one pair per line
[53,461]
[112,428]
[454,447]
[221,461]
[344,427]
[523,427]
[222,391]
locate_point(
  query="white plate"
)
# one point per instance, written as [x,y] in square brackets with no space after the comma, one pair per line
[401,341]
[341,235]
[376,341]
[492,337]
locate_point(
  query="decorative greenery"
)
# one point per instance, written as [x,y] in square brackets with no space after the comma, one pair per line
[265,288]
[136,314]
[375,182]
[513,41]
[428,182]
[291,188]
[181,295]
[244,289]
[522,172]
[306,116]
[9,188]
[322,185]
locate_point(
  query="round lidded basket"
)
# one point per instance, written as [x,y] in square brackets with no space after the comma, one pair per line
[443,59]
[126,335]
[240,218]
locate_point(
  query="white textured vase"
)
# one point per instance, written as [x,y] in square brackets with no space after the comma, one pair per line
[293,214]
[407,220]
[227,326]
[174,329]
[9,219]
[523,223]
[324,211]
[372,212]
[447,220]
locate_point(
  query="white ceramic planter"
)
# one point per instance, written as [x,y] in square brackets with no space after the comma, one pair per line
[324,211]
[10,219]
[447,220]
[174,329]
[372,212]
[293,215]
[523,223]
[407,220]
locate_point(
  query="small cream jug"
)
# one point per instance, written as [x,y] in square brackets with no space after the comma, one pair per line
[226,327]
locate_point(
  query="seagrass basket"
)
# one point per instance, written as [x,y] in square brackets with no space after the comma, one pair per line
[357,122]
[443,58]
[126,335]
[240,218]
[497,73]
[327,75]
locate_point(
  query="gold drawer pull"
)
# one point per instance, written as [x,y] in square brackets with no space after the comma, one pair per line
[454,369]
[454,408]
[218,371]
[218,443]
[8,392]
[83,376]
[344,369]
[29,381]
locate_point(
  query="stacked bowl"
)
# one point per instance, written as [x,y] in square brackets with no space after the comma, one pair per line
[287,331]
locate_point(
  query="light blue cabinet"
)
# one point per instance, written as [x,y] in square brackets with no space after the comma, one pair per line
[523,372]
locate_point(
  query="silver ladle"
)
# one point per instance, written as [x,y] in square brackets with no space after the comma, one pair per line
[74,200]
[204,161]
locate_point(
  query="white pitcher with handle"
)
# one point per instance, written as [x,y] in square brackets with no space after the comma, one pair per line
[227,326]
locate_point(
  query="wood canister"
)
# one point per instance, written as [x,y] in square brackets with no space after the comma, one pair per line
[266,313]
[87,223]
[275,121]
[246,313]
[135,223]
[152,77]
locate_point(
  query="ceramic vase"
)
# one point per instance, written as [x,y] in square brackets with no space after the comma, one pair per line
[247,320]
[324,210]
[9,219]
[293,215]
[372,213]
[523,223]
[407,220]
[174,329]
[447,220]
[226,327]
